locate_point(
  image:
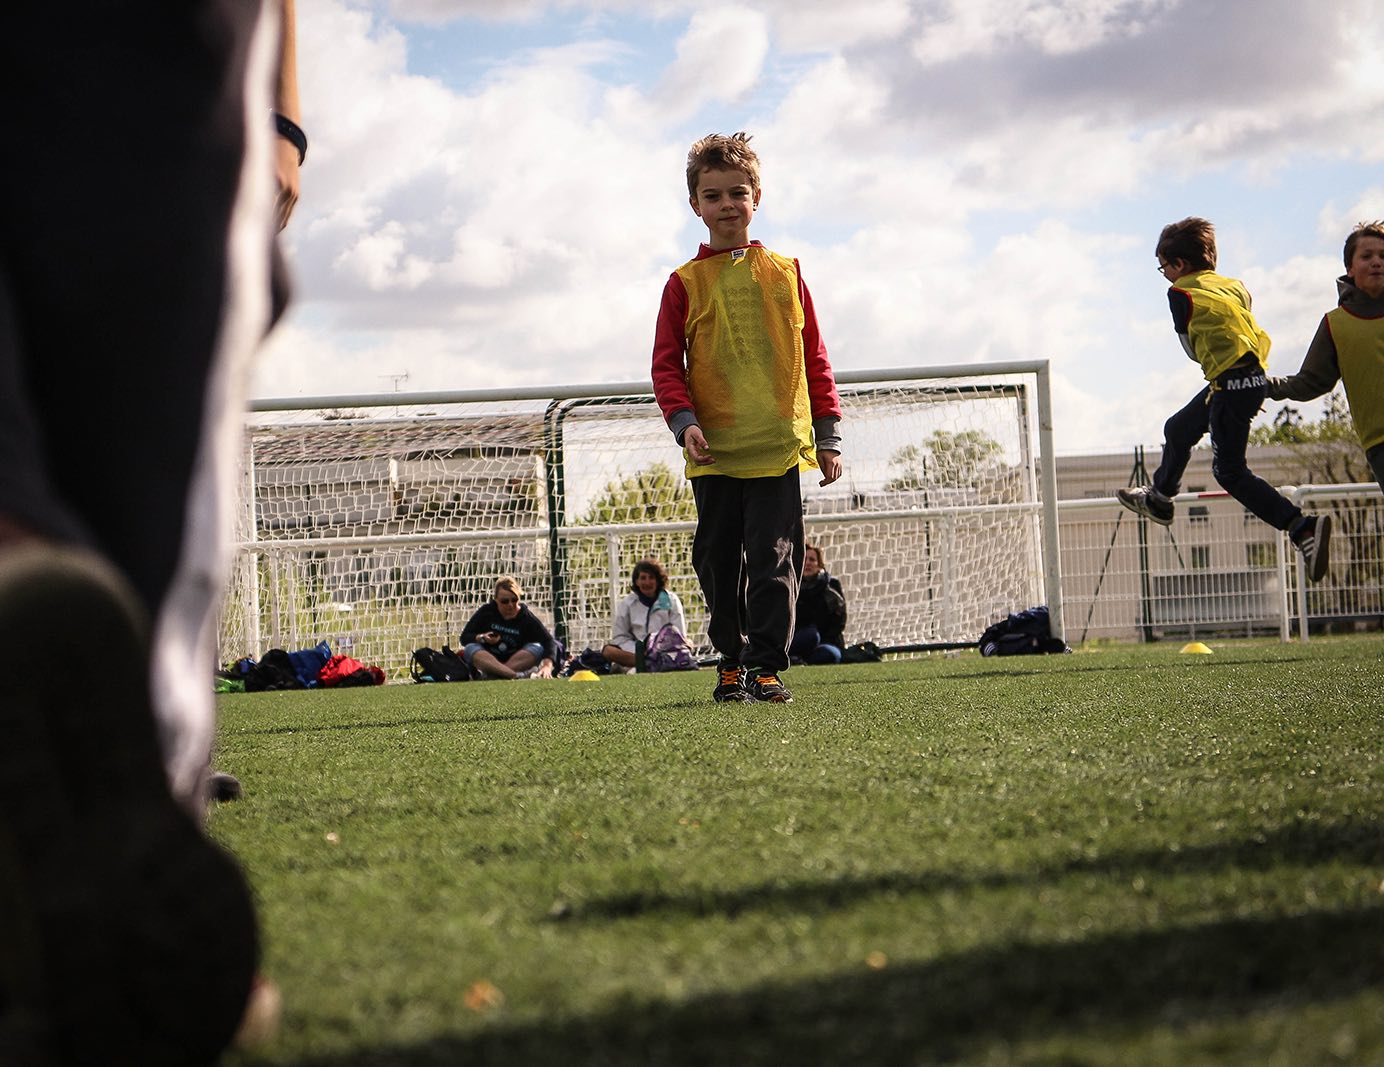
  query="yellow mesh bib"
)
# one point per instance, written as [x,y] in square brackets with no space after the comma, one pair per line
[1221,329]
[1360,357]
[745,366]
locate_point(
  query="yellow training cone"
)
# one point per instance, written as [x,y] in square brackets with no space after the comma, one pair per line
[592,676]
[1196,648]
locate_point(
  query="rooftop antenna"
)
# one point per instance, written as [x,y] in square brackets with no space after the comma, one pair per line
[397,379]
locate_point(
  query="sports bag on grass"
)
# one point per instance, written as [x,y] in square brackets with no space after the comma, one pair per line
[429,665]
[588,659]
[1024,633]
[273,671]
[343,671]
[862,652]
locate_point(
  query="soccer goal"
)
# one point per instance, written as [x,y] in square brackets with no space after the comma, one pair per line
[380,523]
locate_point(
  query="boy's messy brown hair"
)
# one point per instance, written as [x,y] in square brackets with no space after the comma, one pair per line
[719,151]
[1363,229]
[1192,240]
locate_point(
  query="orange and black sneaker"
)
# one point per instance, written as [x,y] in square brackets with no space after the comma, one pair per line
[730,683]
[765,686]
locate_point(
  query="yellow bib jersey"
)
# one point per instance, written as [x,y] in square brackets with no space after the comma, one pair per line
[745,368]
[1360,356]
[1347,347]
[1213,313]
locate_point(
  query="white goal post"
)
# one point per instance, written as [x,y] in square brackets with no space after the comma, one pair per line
[379,523]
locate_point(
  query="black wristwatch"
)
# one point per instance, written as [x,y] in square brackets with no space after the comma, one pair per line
[291,132]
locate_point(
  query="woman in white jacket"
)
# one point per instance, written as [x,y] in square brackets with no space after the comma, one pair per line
[649,607]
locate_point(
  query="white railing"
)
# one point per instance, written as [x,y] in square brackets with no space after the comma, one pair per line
[1217,569]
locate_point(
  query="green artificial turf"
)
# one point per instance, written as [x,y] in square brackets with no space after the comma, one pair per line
[1129,856]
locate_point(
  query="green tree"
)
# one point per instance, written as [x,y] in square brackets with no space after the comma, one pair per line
[1325,451]
[947,460]
[658,494]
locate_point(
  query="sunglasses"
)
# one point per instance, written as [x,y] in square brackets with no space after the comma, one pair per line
[506,600]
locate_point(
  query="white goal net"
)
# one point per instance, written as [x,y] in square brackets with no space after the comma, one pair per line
[380,523]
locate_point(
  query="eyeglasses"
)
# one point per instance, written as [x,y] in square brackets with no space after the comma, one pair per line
[506,600]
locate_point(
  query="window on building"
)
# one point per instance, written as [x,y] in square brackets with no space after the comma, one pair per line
[1259,554]
[1201,557]
[1198,512]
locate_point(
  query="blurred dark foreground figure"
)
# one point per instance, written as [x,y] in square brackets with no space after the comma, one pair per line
[137,277]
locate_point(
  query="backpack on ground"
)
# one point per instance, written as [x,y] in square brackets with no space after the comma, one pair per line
[862,652]
[273,671]
[668,650]
[588,659]
[1024,633]
[429,665]
[308,663]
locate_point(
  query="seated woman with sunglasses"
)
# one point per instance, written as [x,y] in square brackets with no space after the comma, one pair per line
[504,639]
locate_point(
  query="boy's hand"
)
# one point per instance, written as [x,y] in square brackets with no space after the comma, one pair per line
[695,443]
[286,172]
[830,463]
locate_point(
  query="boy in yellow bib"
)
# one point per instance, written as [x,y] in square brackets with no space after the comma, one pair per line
[1212,317]
[742,378]
[1349,345]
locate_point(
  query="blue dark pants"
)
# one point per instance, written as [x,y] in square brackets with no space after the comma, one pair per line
[748,555]
[1227,411]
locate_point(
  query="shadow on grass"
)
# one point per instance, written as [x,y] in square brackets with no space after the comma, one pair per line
[1062,666]
[450,720]
[1299,844]
[942,1010]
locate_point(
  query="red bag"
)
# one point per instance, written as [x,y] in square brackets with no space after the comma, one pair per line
[340,671]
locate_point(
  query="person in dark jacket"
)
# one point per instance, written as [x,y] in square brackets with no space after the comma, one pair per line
[504,639]
[821,615]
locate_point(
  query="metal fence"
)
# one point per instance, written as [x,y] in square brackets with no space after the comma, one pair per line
[1217,569]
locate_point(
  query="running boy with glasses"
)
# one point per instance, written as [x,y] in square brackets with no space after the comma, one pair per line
[1211,314]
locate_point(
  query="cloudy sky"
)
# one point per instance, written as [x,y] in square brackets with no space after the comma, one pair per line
[494,193]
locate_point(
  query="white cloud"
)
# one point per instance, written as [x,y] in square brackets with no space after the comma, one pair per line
[987,197]
[1335,223]
[719,59]
[379,260]
[963,28]
[829,25]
